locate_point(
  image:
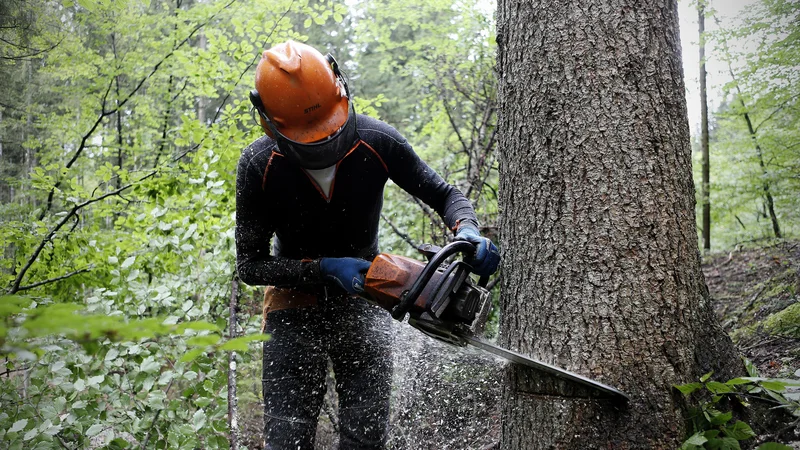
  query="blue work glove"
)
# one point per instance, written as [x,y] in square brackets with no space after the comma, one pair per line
[486,258]
[347,273]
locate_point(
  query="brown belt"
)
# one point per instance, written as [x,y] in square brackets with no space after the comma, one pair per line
[276,299]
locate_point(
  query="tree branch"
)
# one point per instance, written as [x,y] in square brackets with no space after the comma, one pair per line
[49,237]
[397,231]
[777,110]
[53,280]
[36,51]
[155,419]
[104,113]
[455,128]
[434,218]
[256,58]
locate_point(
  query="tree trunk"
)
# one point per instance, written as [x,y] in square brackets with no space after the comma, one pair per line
[769,203]
[233,404]
[701,19]
[601,271]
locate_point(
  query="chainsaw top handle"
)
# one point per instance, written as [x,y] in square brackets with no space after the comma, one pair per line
[409,297]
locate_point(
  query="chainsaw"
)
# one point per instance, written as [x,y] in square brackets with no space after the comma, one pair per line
[442,300]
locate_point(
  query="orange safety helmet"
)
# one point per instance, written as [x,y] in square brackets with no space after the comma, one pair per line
[304,104]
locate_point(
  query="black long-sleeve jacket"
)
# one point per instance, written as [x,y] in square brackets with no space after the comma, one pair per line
[276,197]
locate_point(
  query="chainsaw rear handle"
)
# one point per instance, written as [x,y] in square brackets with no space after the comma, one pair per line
[409,297]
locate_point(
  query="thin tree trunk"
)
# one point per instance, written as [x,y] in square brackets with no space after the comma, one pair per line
[601,270]
[765,185]
[233,404]
[201,100]
[770,203]
[120,138]
[706,165]
[30,157]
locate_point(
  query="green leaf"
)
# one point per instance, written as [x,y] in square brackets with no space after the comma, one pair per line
[705,377]
[728,443]
[240,344]
[149,365]
[203,341]
[30,434]
[95,381]
[687,389]
[18,426]
[694,441]
[199,419]
[13,304]
[191,355]
[739,431]
[773,385]
[718,388]
[719,418]
[199,325]
[94,430]
[737,381]
[773,446]
[751,368]
[112,354]
[307,23]
[128,262]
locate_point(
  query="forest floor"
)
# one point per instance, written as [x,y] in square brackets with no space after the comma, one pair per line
[756,294]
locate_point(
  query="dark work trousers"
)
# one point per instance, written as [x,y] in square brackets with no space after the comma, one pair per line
[355,336]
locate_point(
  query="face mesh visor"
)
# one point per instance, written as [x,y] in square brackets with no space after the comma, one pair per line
[324,153]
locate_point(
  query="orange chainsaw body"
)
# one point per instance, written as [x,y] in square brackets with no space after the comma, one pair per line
[391,275]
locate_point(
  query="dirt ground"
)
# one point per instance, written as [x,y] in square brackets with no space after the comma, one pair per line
[755,294]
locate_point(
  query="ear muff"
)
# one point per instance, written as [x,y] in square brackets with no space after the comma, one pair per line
[255,99]
[338,73]
[263,119]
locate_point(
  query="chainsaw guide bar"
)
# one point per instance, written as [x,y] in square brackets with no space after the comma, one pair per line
[442,301]
[538,365]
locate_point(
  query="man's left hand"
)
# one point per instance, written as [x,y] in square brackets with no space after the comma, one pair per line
[347,273]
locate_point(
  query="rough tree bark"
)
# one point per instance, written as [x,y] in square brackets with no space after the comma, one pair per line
[601,260]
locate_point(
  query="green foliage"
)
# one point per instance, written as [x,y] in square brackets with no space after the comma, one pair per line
[122,123]
[753,161]
[713,428]
[430,64]
[784,322]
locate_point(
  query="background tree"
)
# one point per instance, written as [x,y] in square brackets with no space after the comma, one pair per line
[601,262]
[431,63]
[754,138]
[704,148]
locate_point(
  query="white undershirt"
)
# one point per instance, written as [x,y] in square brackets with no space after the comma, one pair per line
[323,178]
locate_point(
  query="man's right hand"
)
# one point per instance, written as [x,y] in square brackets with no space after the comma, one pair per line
[347,273]
[487,256]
